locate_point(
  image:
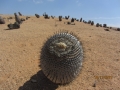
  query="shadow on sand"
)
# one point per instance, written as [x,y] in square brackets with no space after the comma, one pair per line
[39,82]
[7,29]
[10,29]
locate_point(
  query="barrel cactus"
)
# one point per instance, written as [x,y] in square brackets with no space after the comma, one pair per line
[16,25]
[61,57]
[92,22]
[37,15]
[60,18]
[72,20]
[97,25]
[2,21]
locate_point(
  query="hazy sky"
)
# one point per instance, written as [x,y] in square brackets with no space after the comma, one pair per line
[101,11]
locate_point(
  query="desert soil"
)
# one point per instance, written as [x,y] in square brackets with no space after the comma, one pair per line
[20,56]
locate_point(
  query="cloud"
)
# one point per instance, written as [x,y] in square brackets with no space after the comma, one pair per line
[78,3]
[51,0]
[38,1]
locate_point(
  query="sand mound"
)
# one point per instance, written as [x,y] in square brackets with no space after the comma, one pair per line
[20,56]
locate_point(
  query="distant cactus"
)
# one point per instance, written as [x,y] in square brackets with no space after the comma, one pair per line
[110,27]
[17,19]
[19,13]
[92,22]
[85,22]
[16,25]
[97,25]
[81,20]
[105,25]
[89,22]
[100,25]
[22,19]
[46,16]
[67,17]
[37,15]
[118,29]
[61,57]
[60,18]
[72,20]
[2,21]
[26,17]
[52,17]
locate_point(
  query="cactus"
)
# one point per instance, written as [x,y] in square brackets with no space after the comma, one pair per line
[92,22]
[118,29]
[67,17]
[46,16]
[105,25]
[61,57]
[72,20]
[19,13]
[97,25]
[22,19]
[80,19]
[60,18]
[89,22]
[2,21]
[37,15]
[16,25]
[17,19]
[100,25]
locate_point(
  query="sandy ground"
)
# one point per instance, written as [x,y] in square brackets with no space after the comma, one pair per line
[20,56]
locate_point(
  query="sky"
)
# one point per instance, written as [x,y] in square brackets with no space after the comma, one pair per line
[99,11]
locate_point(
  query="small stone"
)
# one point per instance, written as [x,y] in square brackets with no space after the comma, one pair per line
[106,29]
[33,80]
[117,59]
[94,85]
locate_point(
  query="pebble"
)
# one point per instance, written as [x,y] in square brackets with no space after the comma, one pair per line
[33,80]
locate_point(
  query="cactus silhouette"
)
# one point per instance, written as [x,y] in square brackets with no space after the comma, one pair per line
[61,57]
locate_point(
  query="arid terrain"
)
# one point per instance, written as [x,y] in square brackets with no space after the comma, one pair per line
[20,55]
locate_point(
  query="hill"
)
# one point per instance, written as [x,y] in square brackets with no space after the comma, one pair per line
[20,55]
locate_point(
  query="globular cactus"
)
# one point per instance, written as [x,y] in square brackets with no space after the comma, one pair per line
[61,58]
[72,20]
[80,19]
[105,25]
[97,25]
[89,22]
[16,25]
[37,15]
[100,25]
[60,18]
[92,22]
[22,19]
[19,13]
[2,21]
[46,16]
[118,29]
